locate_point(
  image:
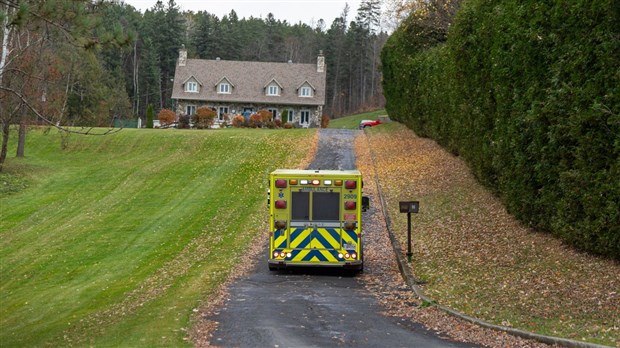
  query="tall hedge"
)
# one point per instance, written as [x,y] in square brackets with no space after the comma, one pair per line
[528,93]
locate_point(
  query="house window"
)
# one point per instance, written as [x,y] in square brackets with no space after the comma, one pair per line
[224,88]
[274,113]
[273,90]
[305,92]
[222,111]
[191,86]
[190,110]
[305,117]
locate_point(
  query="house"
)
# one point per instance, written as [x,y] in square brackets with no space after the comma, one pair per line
[292,92]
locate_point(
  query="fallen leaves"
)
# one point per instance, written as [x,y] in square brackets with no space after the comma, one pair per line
[476,257]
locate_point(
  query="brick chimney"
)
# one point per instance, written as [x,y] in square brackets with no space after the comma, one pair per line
[320,62]
[182,56]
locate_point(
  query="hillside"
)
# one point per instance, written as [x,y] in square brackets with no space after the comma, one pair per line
[117,239]
[472,255]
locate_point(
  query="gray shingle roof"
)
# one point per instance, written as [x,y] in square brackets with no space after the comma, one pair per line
[249,80]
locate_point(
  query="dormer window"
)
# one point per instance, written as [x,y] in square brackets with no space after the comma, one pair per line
[273,90]
[305,92]
[224,88]
[191,86]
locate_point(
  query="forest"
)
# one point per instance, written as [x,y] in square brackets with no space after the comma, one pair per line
[72,63]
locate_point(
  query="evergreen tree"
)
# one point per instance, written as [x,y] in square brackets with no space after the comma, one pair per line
[149,116]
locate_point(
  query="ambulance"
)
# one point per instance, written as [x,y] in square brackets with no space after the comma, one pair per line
[315,219]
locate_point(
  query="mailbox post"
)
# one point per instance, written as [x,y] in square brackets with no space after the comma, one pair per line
[409,207]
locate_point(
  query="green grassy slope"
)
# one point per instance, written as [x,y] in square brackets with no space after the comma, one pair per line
[114,240]
[353,121]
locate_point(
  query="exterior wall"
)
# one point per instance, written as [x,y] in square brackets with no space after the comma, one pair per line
[234,109]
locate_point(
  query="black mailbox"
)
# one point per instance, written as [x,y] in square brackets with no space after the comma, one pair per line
[365,203]
[409,207]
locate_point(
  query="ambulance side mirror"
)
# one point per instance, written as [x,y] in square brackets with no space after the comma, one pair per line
[365,203]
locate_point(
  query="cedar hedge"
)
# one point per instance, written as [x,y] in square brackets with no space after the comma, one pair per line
[528,93]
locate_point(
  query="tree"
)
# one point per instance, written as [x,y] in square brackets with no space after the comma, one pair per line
[42,44]
[149,116]
[164,26]
[335,55]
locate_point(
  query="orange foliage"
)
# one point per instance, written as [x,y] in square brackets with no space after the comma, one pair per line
[166,116]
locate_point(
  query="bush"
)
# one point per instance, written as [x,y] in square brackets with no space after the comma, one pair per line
[284,116]
[256,121]
[526,92]
[204,117]
[149,116]
[277,123]
[238,121]
[288,125]
[166,117]
[184,122]
[265,115]
[224,121]
[324,121]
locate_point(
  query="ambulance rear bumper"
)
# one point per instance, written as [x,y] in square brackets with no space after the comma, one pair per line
[349,265]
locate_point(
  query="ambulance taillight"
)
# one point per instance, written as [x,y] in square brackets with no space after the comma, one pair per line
[281,183]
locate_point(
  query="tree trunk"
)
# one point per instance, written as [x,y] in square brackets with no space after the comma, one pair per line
[5,142]
[21,139]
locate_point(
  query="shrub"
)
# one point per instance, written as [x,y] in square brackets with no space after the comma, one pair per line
[284,116]
[526,93]
[256,121]
[288,125]
[166,117]
[225,120]
[204,117]
[277,123]
[265,115]
[238,121]
[324,121]
[149,116]
[184,122]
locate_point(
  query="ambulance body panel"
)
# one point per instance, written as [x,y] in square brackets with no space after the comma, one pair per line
[315,219]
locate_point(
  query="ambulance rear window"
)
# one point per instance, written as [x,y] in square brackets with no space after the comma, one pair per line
[326,206]
[300,208]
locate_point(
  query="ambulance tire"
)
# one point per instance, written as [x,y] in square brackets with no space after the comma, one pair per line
[273,268]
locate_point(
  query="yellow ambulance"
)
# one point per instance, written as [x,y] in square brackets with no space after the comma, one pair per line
[315,219]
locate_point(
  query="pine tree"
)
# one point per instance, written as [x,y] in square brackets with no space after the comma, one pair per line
[149,116]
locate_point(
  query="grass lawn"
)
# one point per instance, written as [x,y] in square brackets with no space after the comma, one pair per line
[114,240]
[352,122]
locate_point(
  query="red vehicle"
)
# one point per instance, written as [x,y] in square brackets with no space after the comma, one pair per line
[371,123]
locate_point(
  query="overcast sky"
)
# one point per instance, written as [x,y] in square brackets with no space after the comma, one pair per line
[293,11]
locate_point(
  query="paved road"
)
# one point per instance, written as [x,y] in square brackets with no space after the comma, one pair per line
[313,308]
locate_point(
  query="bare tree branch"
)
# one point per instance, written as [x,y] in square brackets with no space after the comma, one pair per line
[83,131]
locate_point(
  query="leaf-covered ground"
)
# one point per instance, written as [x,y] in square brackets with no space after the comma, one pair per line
[476,258]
